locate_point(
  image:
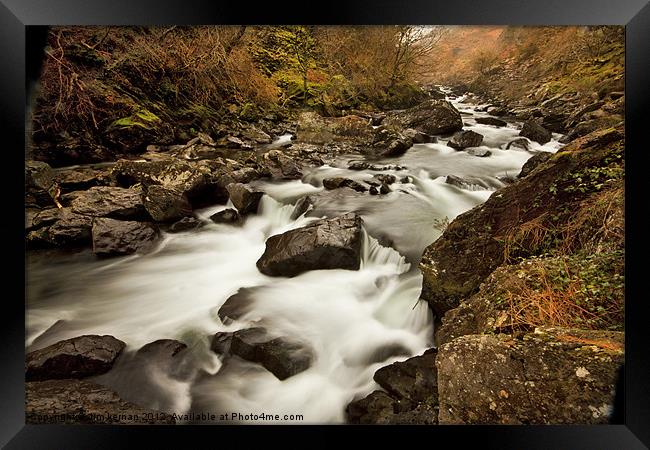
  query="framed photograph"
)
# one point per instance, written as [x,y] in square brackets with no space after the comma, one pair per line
[383,218]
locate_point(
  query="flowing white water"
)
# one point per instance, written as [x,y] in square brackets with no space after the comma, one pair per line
[355,321]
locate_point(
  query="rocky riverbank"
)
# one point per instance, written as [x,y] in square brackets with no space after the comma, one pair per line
[553,234]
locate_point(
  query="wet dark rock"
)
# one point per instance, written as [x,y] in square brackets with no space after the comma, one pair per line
[325,244]
[282,166]
[375,409]
[407,179]
[79,357]
[162,349]
[358,165]
[411,395]
[83,402]
[430,117]
[533,162]
[185,224]
[546,377]
[244,198]
[236,305]
[521,143]
[79,179]
[229,216]
[302,206]
[480,152]
[469,183]
[384,189]
[338,182]
[166,204]
[113,202]
[281,356]
[491,121]
[465,139]
[385,178]
[397,147]
[535,132]
[497,111]
[117,237]
[374,190]
[414,380]
[419,137]
[60,227]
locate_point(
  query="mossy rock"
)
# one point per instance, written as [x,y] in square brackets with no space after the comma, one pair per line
[479,241]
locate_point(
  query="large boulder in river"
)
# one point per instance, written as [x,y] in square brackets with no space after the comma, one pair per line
[281,356]
[281,166]
[79,357]
[430,117]
[315,129]
[106,201]
[202,182]
[547,377]
[166,204]
[465,139]
[60,227]
[535,132]
[121,237]
[324,244]
[83,402]
[474,244]
[244,198]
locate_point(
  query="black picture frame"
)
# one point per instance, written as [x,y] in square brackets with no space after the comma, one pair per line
[16,16]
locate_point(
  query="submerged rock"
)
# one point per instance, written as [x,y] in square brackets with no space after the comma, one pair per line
[83,402]
[79,357]
[546,377]
[535,132]
[480,152]
[117,237]
[465,139]
[281,356]
[324,244]
[185,224]
[302,206]
[469,183]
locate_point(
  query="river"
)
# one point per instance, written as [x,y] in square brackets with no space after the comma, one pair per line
[347,317]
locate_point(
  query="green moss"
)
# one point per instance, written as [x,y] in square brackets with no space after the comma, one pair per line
[142,118]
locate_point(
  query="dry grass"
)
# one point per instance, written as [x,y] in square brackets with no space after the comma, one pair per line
[564,304]
[598,225]
[527,237]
